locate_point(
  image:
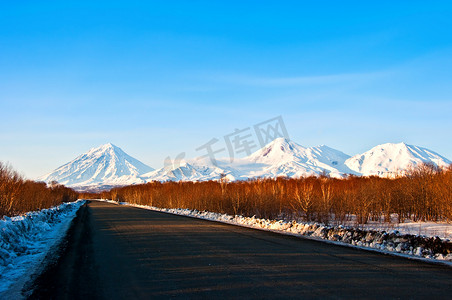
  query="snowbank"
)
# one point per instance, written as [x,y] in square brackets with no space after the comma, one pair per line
[431,248]
[25,240]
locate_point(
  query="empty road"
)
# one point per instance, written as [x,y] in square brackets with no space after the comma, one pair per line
[120,252]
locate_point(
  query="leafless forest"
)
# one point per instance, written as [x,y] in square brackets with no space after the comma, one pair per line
[18,195]
[422,194]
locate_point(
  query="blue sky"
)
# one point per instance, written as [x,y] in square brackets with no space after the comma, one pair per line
[164,77]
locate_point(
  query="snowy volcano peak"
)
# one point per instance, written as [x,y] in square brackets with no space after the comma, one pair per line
[104,165]
[107,150]
[280,149]
[286,158]
[105,147]
[392,158]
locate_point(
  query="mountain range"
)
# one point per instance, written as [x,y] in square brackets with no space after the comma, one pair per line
[108,166]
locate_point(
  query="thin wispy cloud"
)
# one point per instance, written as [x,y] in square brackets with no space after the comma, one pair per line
[253,80]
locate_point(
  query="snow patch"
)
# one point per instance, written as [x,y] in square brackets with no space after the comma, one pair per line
[25,240]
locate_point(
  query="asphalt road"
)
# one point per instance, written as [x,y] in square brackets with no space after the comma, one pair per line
[119,252]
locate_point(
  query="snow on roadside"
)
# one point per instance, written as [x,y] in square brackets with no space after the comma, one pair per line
[430,248]
[439,229]
[25,240]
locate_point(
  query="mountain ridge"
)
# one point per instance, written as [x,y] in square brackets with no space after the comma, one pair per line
[392,158]
[108,165]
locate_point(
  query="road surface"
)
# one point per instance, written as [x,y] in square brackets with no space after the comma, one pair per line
[120,252]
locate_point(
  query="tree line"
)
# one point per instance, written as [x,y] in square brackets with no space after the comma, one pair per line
[19,195]
[423,193]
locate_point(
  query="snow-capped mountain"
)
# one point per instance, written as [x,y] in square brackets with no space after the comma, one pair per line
[108,165]
[280,158]
[286,158]
[185,172]
[391,159]
[105,165]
